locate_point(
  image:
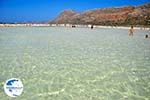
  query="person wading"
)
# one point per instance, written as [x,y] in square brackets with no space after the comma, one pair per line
[131,30]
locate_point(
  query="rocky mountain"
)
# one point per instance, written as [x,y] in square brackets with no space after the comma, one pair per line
[139,15]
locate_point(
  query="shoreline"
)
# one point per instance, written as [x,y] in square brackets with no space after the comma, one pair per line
[70,25]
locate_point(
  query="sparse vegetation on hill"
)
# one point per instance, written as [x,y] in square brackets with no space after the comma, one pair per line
[139,15]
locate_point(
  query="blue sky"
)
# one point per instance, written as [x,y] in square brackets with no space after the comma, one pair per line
[44,10]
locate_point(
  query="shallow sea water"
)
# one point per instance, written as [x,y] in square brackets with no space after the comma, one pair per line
[56,63]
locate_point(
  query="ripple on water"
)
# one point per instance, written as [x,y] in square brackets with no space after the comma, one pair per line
[76,64]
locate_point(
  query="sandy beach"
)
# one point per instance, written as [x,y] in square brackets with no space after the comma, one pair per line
[70,25]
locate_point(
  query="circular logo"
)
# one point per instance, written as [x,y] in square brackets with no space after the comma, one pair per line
[13,87]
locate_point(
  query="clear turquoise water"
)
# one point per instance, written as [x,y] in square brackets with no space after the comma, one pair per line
[75,64]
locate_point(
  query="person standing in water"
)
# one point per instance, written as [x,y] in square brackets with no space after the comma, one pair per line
[131,31]
[147,36]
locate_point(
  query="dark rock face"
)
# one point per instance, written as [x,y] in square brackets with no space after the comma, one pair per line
[110,16]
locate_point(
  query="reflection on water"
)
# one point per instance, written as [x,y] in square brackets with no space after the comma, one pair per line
[76,64]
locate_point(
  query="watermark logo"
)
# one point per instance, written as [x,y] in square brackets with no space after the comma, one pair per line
[13,87]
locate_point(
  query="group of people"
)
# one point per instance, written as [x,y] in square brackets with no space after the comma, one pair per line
[131,31]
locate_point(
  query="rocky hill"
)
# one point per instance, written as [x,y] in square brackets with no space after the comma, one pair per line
[139,15]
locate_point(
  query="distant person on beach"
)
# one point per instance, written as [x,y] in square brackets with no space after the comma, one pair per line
[73,26]
[92,26]
[131,31]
